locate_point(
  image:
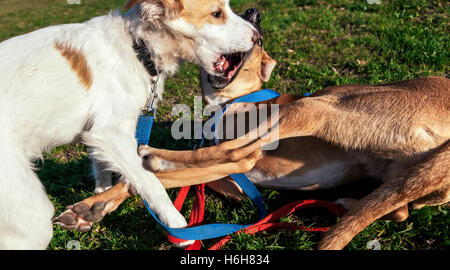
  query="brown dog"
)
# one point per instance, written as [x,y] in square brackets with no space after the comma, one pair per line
[399,132]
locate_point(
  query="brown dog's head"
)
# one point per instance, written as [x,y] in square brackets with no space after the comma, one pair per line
[257,68]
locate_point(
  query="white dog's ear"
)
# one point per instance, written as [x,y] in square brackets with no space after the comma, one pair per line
[267,66]
[153,10]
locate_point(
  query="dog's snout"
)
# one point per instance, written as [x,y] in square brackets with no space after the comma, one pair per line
[253,15]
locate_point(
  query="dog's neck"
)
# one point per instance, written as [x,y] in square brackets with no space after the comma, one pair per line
[212,96]
[166,48]
[209,93]
[213,100]
[145,57]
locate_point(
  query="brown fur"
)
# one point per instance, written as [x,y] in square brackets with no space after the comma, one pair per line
[81,216]
[433,174]
[77,62]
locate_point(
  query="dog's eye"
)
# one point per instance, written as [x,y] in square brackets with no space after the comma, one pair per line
[259,42]
[217,14]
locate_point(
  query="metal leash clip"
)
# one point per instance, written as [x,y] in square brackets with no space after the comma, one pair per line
[145,121]
[148,108]
[152,90]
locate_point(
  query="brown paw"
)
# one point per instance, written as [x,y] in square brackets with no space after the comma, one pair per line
[80,216]
[398,215]
[227,187]
[153,163]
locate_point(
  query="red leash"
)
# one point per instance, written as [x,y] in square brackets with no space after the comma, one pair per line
[197,213]
[266,224]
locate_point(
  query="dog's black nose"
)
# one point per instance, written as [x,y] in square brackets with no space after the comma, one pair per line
[253,16]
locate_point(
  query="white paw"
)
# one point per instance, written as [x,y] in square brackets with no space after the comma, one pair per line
[176,221]
[184,244]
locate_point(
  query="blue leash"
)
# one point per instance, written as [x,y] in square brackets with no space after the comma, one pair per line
[209,231]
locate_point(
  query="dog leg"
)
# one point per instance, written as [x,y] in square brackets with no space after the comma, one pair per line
[25,209]
[82,215]
[102,177]
[398,215]
[239,148]
[415,182]
[195,176]
[117,147]
[233,150]
[437,197]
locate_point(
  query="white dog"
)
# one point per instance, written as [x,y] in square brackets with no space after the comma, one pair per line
[84,82]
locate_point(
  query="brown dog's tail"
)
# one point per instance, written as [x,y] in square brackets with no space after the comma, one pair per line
[417,181]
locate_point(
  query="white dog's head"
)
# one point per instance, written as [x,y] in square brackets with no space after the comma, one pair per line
[220,38]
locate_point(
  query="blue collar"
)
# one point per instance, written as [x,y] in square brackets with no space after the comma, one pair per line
[254,97]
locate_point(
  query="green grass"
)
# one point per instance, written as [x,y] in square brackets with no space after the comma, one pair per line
[317,44]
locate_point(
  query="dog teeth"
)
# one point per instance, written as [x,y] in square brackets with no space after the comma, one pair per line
[219,64]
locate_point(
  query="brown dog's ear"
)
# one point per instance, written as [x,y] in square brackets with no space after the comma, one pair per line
[267,66]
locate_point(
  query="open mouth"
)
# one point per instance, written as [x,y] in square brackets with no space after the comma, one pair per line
[227,67]
[228,64]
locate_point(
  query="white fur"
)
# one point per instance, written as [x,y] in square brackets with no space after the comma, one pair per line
[43,105]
